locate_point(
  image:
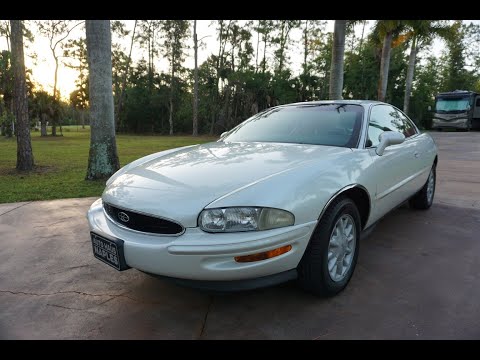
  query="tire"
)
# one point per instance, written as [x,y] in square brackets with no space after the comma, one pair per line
[313,271]
[422,200]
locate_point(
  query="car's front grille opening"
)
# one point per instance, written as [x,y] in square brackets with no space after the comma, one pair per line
[143,223]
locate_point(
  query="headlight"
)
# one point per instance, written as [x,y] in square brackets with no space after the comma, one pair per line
[236,219]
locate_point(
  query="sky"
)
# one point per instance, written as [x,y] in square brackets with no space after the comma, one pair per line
[42,63]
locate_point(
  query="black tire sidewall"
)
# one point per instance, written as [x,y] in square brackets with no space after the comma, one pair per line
[428,201]
[313,274]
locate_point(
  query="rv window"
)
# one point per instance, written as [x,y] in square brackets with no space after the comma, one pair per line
[478,102]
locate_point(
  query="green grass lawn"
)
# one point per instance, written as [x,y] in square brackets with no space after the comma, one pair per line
[61,163]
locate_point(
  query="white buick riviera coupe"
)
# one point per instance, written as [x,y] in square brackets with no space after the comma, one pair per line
[285,195]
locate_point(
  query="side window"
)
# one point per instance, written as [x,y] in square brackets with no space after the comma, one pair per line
[386,118]
[404,125]
[381,118]
[477,102]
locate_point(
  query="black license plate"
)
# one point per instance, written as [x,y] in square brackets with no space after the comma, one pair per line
[109,251]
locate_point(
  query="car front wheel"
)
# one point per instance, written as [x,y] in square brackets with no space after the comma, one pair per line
[330,258]
[424,198]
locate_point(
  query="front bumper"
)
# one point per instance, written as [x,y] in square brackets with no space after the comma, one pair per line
[458,123]
[197,255]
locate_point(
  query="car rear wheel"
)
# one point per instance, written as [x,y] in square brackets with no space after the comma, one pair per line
[330,258]
[424,198]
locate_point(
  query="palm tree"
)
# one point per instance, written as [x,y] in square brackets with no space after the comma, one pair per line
[24,144]
[387,29]
[103,156]
[43,108]
[338,50]
[421,33]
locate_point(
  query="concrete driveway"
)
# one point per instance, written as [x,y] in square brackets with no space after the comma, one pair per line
[416,278]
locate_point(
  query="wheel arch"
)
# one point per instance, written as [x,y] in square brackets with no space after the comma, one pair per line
[359,195]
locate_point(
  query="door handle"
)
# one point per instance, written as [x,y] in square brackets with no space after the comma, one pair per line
[416,154]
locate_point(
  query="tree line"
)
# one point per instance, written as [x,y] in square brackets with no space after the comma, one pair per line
[251,70]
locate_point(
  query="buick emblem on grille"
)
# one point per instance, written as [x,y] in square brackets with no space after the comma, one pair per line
[123,217]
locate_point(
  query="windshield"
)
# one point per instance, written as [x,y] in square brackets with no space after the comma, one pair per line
[452,105]
[321,124]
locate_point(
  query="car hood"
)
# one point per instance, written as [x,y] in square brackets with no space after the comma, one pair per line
[178,185]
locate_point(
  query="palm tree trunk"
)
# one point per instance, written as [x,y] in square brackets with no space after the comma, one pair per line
[124,80]
[410,74]
[195,84]
[24,144]
[43,125]
[103,157]
[336,70]
[384,65]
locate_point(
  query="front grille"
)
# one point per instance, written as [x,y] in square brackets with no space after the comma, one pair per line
[140,222]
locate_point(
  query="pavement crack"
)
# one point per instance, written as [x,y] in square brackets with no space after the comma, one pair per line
[70,268]
[18,207]
[205,318]
[66,307]
[61,220]
[58,293]
[111,296]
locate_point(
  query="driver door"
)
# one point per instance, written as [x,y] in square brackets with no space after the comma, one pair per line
[395,169]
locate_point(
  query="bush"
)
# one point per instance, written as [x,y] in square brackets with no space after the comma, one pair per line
[7,123]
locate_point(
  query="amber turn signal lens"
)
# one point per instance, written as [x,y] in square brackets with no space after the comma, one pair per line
[264,255]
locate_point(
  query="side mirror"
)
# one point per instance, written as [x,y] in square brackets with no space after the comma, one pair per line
[223,134]
[429,108]
[388,138]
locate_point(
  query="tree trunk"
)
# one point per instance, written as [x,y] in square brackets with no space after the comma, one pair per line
[24,144]
[264,63]
[282,46]
[305,65]
[55,79]
[233,58]
[217,79]
[384,66]
[43,125]
[410,74]
[170,116]
[172,84]
[336,70]
[124,82]
[258,43]
[150,58]
[362,59]
[195,84]
[103,157]
[82,118]
[305,47]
